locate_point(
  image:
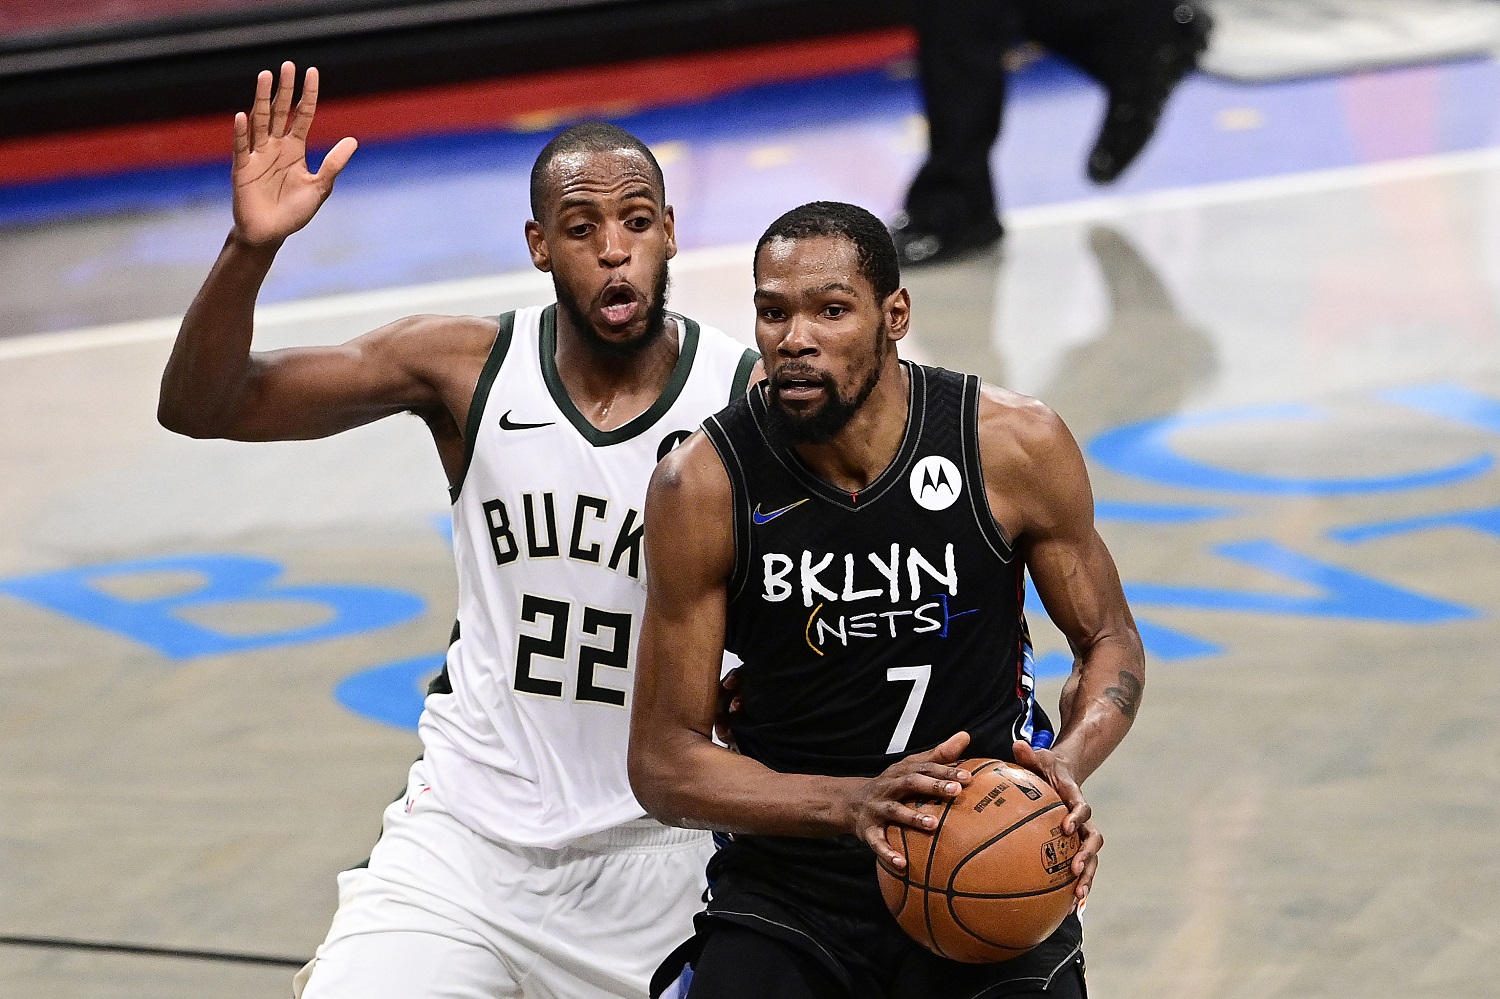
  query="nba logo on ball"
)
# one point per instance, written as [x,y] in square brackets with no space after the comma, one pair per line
[935,483]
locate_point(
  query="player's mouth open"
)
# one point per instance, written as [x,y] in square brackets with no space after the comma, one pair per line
[620,304]
[799,387]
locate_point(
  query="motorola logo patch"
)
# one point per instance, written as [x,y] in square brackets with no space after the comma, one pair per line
[935,483]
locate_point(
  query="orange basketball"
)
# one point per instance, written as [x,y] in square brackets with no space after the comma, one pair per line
[994,878]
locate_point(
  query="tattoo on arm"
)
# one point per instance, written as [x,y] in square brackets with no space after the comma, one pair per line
[1127,696]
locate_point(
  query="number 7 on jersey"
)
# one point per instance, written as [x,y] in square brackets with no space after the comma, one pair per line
[918,675]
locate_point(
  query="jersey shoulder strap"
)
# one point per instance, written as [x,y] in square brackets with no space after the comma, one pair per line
[498,350]
[742,374]
[722,366]
[973,471]
[735,433]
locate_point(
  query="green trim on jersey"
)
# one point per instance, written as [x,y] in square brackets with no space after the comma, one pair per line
[603,438]
[742,374]
[481,396]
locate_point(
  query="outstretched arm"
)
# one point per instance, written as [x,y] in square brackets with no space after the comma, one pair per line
[680,776]
[213,385]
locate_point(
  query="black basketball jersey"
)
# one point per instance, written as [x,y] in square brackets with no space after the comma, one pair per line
[876,624]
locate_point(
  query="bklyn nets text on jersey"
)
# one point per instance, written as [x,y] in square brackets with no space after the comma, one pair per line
[900,579]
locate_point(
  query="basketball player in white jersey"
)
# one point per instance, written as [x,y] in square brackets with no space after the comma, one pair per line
[518,864]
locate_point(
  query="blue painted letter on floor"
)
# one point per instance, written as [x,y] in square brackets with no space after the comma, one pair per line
[227,579]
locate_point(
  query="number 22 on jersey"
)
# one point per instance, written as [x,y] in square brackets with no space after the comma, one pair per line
[614,628]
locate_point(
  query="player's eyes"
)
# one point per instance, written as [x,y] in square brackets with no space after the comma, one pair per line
[640,223]
[835,311]
[772,315]
[580,230]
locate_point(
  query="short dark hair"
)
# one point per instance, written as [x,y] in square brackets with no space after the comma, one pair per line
[872,243]
[588,136]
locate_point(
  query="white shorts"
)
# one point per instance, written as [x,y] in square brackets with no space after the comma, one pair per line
[442,911]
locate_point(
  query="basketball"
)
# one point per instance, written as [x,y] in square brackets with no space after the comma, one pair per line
[994,877]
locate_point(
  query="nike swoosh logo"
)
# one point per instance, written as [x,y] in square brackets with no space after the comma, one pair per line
[766,518]
[506,424]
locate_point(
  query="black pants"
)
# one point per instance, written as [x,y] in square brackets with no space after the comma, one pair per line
[739,963]
[961,63]
[828,934]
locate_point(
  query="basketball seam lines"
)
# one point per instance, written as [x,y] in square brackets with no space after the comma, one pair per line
[951,893]
[904,876]
[995,839]
[931,852]
[1021,894]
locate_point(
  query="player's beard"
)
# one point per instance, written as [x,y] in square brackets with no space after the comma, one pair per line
[824,424]
[656,321]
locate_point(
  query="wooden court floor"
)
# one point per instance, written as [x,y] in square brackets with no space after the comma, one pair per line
[1290,397]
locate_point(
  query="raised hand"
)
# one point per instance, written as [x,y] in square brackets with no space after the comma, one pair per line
[274,192]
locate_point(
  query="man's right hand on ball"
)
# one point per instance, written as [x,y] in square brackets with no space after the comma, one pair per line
[884,800]
[274,192]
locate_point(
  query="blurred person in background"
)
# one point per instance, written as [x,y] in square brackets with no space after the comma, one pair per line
[1139,50]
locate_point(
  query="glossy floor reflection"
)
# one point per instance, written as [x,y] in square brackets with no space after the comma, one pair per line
[1290,397]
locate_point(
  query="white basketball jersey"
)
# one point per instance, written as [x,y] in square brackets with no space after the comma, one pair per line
[547,534]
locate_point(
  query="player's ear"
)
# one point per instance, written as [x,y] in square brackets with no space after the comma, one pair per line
[897,314]
[669,224]
[536,242]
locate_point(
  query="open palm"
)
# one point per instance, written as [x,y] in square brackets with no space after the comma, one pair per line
[274,192]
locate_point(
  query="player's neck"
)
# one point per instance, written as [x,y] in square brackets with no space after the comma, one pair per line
[869,442]
[609,388]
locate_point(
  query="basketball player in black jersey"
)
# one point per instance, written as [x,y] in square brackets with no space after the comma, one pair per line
[856,530]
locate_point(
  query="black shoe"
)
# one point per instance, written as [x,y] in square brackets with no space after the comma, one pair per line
[1135,106]
[918,244]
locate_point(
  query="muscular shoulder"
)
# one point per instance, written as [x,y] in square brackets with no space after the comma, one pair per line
[692,478]
[1033,469]
[689,517]
[1017,432]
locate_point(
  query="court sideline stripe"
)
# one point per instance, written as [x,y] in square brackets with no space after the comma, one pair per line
[1257,188]
[401,301]
[183,953]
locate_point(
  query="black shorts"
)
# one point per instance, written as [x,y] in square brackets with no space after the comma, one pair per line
[783,931]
